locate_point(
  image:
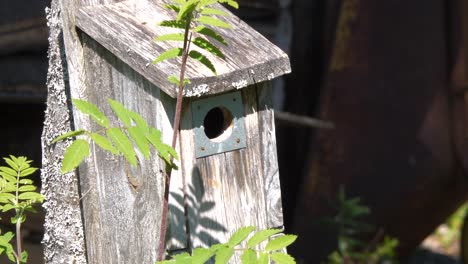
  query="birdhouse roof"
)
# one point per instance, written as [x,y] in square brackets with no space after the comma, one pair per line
[129,35]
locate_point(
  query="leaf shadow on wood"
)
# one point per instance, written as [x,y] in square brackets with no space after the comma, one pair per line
[192,218]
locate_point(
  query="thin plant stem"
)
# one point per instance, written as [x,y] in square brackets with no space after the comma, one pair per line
[18,221]
[185,53]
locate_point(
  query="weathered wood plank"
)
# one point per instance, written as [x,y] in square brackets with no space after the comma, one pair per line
[121,209]
[251,58]
[267,135]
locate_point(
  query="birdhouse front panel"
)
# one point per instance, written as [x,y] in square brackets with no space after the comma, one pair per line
[231,188]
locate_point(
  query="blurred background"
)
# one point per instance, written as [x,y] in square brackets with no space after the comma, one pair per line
[389,75]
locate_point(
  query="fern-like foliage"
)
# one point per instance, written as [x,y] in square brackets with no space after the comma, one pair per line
[134,134]
[17,193]
[198,21]
[248,243]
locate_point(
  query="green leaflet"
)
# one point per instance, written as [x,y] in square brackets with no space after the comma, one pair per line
[206,45]
[27,172]
[213,11]
[240,235]
[8,171]
[27,188]
[204,60]
[210,33]
[93,111]
[282,258]
[173,79]
[69,134]
[212,21]
[12,164]
[123,144]
[140,141]
[104,143]
[139,121]
[24,256]
[263,258]
[172,7]
[261,236]
[186,9]
[201,255]
[170,54]
[280,242]
[207,2]
[170,37]
[249,257]
[173,24]
[121,112]
[223,255]
[74,155]
[31,196]
[231,3]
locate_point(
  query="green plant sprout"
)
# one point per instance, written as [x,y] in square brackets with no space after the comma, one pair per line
[351,227]
[250,252]
[197,19]
[115,140]
[19,194]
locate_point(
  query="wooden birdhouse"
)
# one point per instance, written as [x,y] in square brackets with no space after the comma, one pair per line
[228,171]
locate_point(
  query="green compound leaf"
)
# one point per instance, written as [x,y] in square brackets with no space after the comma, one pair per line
[74,155]
[280,242]
[240,235]
[204,60]
[263,258]
[170,37]
[249,257]
[104,143]
[138,137]
[93,111]
[173,24]
[223,255]
[282,258]
[213,11]
[121,112]
[210,33]
[27,172]
[123,144]
[261,236]
[206,45]
[170,54]
[201,255]
[69,134]
[186,9]
[212,21]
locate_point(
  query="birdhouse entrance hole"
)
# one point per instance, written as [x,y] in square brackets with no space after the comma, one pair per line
[218,124]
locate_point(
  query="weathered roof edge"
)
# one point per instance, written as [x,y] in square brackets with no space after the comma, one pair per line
[251,57]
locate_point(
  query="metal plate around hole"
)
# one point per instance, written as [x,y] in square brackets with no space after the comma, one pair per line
[237,140]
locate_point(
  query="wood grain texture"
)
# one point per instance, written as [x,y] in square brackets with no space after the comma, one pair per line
[251,58]
[234,189]
[122,207]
